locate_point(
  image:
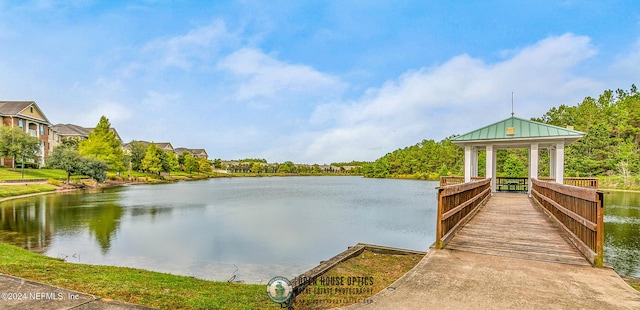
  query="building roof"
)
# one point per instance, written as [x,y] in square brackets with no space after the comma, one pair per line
[13,108]
[194,152]
[517,129]
[71,130]
[161,145]
[79,131]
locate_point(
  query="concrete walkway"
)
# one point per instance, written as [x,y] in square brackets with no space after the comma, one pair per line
[21,294]
[450,279]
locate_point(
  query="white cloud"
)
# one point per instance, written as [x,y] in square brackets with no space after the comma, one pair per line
[459,95]
[262,76]
[199,44]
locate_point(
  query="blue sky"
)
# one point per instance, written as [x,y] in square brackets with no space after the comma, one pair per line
[310,81]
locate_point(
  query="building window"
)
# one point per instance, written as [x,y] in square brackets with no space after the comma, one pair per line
[42,129]
[31,109]
[20,124]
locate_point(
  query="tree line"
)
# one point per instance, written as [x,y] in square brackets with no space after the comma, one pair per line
[102,152]
[612,143]
[257,166]
[425,160]
[611,146]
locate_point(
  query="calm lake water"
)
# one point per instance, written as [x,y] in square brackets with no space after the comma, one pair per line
[622,232]
[264,226]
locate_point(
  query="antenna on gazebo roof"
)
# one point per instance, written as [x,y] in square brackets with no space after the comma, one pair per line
[512,113]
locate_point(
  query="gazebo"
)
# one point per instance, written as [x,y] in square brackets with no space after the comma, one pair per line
[518,133]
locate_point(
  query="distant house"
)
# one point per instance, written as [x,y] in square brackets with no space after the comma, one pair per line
[199,153]
[71,131]
[165,146]
[27,116]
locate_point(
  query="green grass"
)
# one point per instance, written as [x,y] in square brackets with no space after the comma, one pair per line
[9,174]
[619,182]
[131,285]
[22,189]
[633,282]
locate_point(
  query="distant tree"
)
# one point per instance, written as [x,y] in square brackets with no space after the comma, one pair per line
[204,165]
[138,151]
[316,168]
[256,168]
[444,171]
[169,162]
[94,168]
[103,144]
[152,161]
[190,163]
[181,158]
[253,160]
[16,143]
[514,166]
[287,167]
[67,158]
[217,163]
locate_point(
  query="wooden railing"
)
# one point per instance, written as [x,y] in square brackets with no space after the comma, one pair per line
[580,182]
[512,184]
[457,204]
[578,211]
[450,180]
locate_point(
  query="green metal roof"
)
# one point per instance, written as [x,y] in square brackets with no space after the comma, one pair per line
[522,129]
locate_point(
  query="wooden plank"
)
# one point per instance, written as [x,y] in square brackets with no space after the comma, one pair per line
[583,221]
[582,247]
[510,225]
[458,188]
[452,232]
[588,194]
[457,209]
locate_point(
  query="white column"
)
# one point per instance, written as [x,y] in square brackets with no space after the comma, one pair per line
[559,163]
[474,161]
[533,163]
[467,163]
[552,162]
[490,164]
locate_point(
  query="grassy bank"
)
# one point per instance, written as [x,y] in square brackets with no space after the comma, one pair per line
[634,282]
[24,189]
[137,286]
[619,183]
[29,174]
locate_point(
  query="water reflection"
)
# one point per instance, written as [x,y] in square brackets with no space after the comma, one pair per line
[622,232]
[25,224]
[32,222]
[104,224]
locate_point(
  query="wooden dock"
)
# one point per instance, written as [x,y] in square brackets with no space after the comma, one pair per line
[510,225]
[502,251]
